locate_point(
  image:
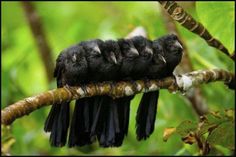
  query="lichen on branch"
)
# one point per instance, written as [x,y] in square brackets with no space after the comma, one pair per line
[113,89]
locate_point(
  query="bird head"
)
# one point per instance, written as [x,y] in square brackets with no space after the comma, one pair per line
[127,48]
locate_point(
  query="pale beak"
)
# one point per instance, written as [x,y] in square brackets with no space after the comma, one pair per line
[97,49]
[148,50]
[161,58]
[177,44]
[74,58]
[134,52]
[113,57]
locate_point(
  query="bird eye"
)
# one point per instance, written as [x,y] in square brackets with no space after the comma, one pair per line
[95,53]
[126,46]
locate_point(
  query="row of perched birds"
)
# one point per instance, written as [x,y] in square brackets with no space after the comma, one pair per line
[102,117]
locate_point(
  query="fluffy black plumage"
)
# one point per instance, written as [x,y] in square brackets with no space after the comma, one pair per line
[105,120]
[167,55]
[70,65]
[121,107]
[101,116]
[140,66]
[129,53]
[82,119]
[144,60]
[173,51]
[112,116]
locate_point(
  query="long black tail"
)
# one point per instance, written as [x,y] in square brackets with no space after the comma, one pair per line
[124,111]
[111,121]
[81,123]
[146,115]
[58,123]
[53,114]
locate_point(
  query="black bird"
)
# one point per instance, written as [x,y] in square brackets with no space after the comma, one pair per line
[121,106]
[139,66]
[102,116]
[142,63]
[173,51]
[70,65]
[82,119]
[112,115]
[130,55]
[167,55]
[106,118]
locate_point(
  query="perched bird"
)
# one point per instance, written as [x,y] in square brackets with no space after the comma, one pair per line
[102,116]
[129,53]
[82,118]
[105,123]
[173,51]
[139,64]
[121,106]
[167,55]
[71,64]
[111,116]
[144,60]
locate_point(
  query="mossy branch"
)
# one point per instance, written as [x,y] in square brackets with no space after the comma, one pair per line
[113,89]
[187,21]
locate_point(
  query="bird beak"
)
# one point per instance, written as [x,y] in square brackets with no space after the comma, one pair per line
[177,44]
[74,58]
[113,57]
[161,58]
[97,49]
[134,52]
[149,51]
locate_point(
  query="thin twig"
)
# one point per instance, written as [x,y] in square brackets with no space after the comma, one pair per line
[40,38]
[187,21]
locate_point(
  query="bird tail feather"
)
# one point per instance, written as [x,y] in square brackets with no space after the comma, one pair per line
[146,115]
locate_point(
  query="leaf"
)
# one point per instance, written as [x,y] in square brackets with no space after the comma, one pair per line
[230,113]
[223,135]
[187,130]
[7,140]
[210,121]
[186,127]
[205,127]
[218,18]
[167,133]
[189,139]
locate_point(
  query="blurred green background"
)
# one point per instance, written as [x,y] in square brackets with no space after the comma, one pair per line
[67,23]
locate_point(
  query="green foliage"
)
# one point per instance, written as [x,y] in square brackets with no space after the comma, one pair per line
[66,23]
[7,139]
[221,135]
[185,128]
[215,128]
[219,19]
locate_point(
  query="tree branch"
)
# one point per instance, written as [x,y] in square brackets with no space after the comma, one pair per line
[40,38]
[113,89]
[187,21]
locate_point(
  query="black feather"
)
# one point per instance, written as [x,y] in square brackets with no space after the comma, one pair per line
[71,65]
[81,123]
[167,55]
